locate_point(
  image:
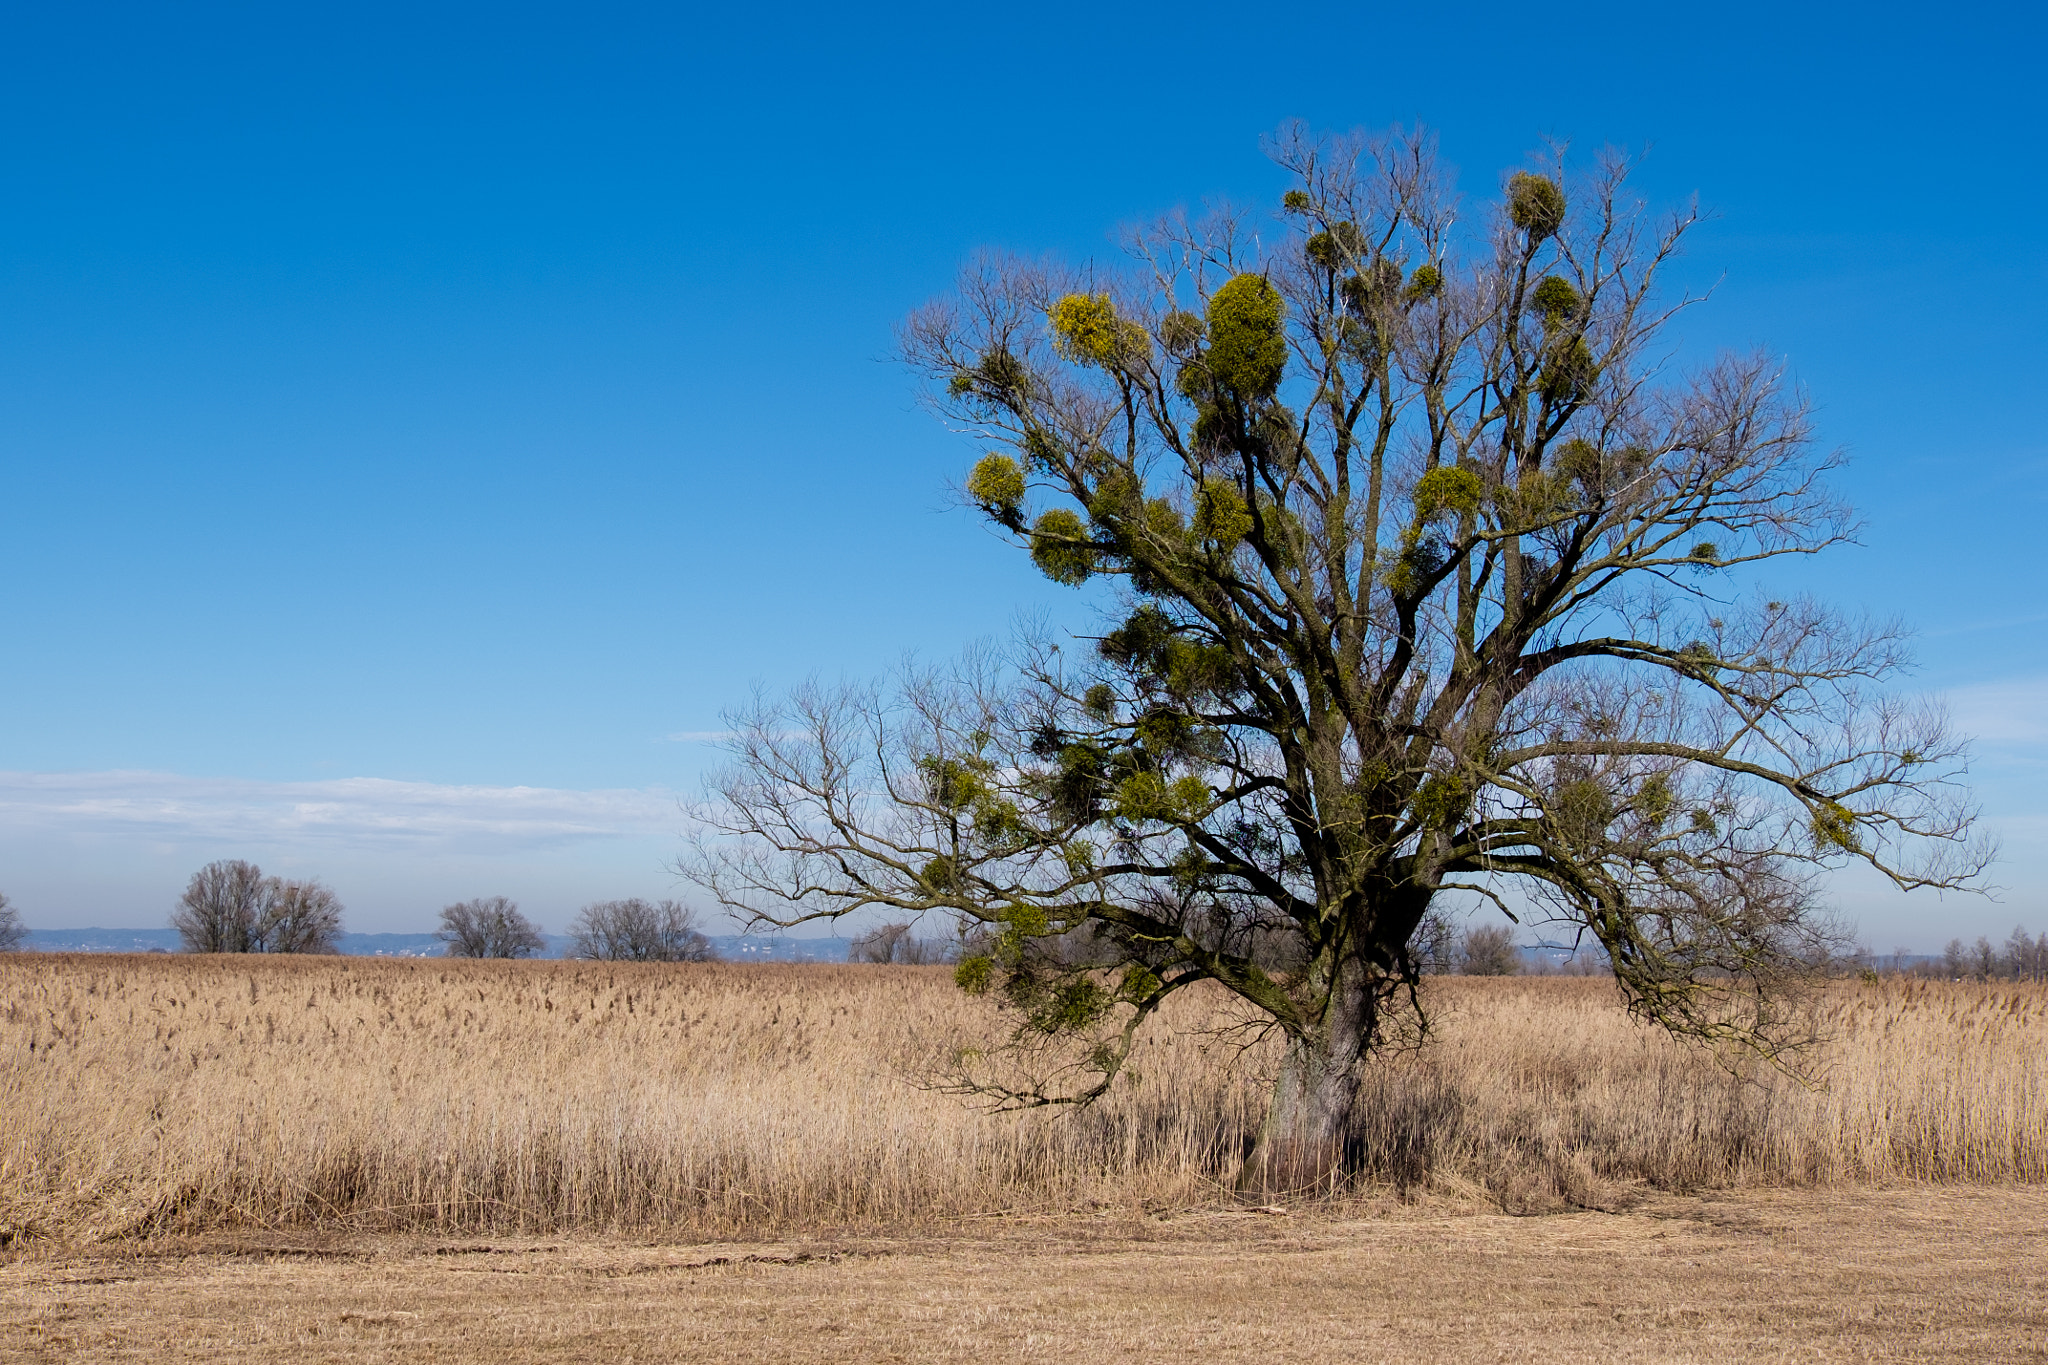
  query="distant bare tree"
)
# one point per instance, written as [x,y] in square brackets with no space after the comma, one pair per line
[2023,956]
[639,931]
[305,917]
[878,944]
[231,907]
[1585,962]
[896,943]
[12,930]
[489,926]
[1436,944]
[1955,958]
[221,907]
[1983,959]
[1490,951]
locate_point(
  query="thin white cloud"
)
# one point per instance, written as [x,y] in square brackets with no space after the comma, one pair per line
[364,812]
[2013,711]
[2002,623]
[698,736]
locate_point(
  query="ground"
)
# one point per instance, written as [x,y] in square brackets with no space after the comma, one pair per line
[1902,1274]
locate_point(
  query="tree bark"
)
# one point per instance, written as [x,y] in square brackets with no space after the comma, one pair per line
[1302,1144]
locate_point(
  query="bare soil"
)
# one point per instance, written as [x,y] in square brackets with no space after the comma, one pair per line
[1910,1273]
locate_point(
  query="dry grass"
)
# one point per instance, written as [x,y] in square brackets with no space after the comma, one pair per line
[1917,1273]
[154,1095]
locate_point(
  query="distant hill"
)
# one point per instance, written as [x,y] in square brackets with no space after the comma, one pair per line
[101,941]
[779,948]
[95,940]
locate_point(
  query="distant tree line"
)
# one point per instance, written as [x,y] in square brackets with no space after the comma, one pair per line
[631,930]
[2019,958]
[231,907]
[898,943]
[1443,949]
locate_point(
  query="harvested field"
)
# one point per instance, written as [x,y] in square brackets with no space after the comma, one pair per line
[151,1096]
[1918,1273]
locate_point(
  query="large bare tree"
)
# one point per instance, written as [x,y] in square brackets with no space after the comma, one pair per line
[231,907]
[636,930]
[1429,574]
[488,926]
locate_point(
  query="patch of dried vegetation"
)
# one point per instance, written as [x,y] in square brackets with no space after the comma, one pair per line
[155,1095]
[1916,1273]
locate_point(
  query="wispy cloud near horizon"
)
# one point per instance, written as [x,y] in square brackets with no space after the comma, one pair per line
[2006,711]
[361,812]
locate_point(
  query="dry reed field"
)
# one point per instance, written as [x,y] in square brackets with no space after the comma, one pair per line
[165,1095]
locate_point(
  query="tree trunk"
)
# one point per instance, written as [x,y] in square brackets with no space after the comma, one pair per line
[1302,1144]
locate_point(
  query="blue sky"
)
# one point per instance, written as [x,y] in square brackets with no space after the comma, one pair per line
[417,422]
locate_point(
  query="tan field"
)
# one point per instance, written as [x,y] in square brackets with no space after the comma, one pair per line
[1908,1274]
[347,1158]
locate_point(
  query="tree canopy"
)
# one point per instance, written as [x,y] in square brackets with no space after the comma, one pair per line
[231,907]
[488,926]
[636,930]
[1426,574]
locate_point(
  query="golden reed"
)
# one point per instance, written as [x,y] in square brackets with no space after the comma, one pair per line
[170,1094]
